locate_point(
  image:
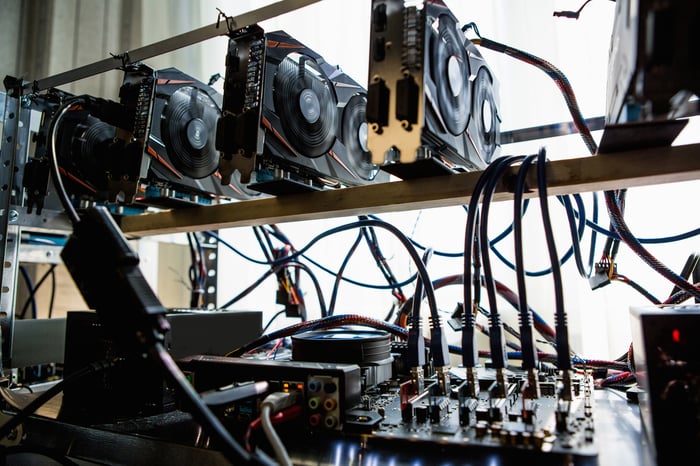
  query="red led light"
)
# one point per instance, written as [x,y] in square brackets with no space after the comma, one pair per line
[676,335]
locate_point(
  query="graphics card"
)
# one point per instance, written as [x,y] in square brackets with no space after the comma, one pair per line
[154,148]
[432,99]
[183,159]
[653,64]
[311,116]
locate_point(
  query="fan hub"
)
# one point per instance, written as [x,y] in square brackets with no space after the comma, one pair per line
[486,116]
[454,76]
[362,136]
[197,133]
[309,106]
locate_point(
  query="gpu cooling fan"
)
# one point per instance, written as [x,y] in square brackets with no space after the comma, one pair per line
[432,104]
[181,145]
[311,116]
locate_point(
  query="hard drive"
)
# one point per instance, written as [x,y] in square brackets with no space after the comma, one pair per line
[432,99]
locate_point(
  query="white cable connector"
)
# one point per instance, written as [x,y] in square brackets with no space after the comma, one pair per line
[280,400]
[273,403]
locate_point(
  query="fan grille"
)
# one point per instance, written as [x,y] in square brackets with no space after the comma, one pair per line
[452,76]
[306,105]
[188,125]
[354,133]
[486,115]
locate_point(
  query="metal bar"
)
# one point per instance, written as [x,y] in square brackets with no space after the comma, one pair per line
[549,131]
[13,146]
[690,109]
[167,45]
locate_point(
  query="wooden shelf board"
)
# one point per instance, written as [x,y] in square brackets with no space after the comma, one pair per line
[586,174]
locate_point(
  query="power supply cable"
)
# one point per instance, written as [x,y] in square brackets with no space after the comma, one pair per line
[527,338]
[63,197]
[341,269]
[338,320]
[416,343]
[30,288]
[373,243]
[611,197]
[229,246]
[497,338]
[410,249]
[272,271]
[469,348]
[560,322]
[636,286]
[315,263]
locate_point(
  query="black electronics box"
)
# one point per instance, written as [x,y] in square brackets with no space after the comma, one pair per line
[666,345]
[135,386]
[328,389]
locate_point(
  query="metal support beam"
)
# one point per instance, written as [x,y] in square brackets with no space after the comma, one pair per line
[218,28]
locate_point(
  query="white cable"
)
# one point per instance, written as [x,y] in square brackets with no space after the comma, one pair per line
[272,437]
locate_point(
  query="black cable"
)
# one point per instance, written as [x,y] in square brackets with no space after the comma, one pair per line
[201,413]
[493,242]
[527,338]
[197,291]
[470,356]
[403,283]
[272,319]
[372,286]
[53,291]
[55,172]
[339,275]
[337,320]
[263,245]
[567,255]
[232,248]
[416,342]
[272,271]
[413,253]
[560,324]
[575,238]
[45,396]
[626,235]
[571,14]
[373,244]
[660,240]
[317,285]
[497,337]
[614,208]
[639,288]
[30,289]
[36,288]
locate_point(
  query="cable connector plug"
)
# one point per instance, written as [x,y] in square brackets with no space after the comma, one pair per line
[416,344]
[440,354]
[439,350]
[280,400]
